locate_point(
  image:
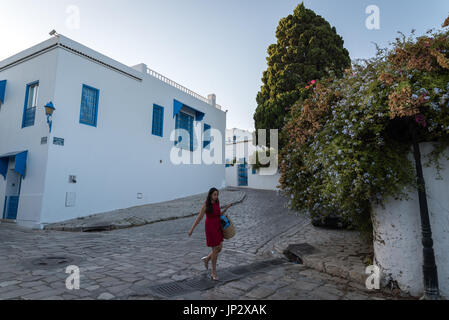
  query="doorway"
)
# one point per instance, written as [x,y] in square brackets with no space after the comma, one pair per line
[242,172]
[12,195]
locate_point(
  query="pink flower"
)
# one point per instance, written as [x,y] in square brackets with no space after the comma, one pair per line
[421,120]
[313,82]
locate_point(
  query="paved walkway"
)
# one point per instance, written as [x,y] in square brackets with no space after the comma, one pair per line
[340,253]
[118,264]
[147,214]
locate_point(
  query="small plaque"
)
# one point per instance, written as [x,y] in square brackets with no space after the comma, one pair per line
[58,141]
[44,140]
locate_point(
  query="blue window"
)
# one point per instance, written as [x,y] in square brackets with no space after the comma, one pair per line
[158,120]
[184,121]
[206,142]
[29,111]
[89,106]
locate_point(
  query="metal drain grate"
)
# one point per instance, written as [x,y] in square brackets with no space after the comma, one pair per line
[171,289]
[199,284]
[176,288]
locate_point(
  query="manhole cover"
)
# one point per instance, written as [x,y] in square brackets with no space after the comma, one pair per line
[51,261]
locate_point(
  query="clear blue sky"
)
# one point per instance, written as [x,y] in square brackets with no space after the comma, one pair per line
[210,46]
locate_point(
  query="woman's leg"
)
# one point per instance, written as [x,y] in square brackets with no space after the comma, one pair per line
[215,252]
[209,256]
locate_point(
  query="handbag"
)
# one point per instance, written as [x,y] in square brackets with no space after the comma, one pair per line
[227,226]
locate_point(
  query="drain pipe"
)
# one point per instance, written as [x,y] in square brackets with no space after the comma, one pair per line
[431,290]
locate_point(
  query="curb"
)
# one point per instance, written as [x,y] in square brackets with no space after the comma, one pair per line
[119,226]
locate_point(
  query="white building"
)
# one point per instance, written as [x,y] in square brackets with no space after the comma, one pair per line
[110,141]
[239,145]
[240,149]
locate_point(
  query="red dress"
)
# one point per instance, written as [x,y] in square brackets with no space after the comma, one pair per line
[214,234]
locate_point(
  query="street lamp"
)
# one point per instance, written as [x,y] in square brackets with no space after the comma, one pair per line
[49,109]
[431,291]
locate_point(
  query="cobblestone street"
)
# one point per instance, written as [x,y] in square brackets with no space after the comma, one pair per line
[118,264]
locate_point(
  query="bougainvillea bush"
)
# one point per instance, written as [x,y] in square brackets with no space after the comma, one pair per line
[348,141]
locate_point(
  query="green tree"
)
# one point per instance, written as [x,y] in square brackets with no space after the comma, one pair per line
[307,48]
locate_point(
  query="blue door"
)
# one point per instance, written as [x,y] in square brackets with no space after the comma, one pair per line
[11,206]
[13,184]
[242,173]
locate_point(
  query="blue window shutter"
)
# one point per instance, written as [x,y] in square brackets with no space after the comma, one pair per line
[184,121]
[158,121]
[29,110]
[89,106]
[2,91]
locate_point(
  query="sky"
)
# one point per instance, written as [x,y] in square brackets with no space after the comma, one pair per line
[209,46]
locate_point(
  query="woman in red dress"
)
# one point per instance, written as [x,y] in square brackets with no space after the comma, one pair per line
[214,233]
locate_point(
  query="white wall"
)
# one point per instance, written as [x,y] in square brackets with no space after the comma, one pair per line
[231,176]
[242,147]
[13,138]
[120,157]
[264,179]
[397,233]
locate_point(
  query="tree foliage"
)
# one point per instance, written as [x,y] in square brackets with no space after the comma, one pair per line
[307,48]
[348,143]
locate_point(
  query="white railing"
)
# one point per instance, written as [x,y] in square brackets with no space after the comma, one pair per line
[159,76]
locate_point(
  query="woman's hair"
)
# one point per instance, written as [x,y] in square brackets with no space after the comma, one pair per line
[209,200]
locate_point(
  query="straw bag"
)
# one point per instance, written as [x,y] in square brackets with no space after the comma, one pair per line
[227,226]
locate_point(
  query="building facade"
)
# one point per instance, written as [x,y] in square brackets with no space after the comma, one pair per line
[240,152]
[112,135]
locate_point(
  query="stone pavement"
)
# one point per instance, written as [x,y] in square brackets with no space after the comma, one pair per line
[288,282]
[340,253]
[142,215]
[284,281]
[117,264]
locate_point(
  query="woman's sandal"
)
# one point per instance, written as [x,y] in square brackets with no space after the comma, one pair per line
[214,278]
[206,262]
